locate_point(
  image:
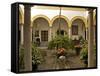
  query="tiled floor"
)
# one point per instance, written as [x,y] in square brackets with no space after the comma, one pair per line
[52,62]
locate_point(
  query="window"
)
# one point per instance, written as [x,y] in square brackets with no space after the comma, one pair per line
[44,35]
[74,29]
[37,33]
[61,32]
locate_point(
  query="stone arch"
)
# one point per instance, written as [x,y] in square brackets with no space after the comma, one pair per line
[41,24]
[81,29]
[81,18]
[62,16]
[64,25]
[41,16]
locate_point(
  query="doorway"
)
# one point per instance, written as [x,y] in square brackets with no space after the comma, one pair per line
[44,37]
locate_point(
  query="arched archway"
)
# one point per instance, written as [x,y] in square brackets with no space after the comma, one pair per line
[63,17]
[63,25]
[42,16]
[78,28]
[81,18]
[40,31]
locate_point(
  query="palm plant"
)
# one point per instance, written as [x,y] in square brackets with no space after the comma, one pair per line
[84,53]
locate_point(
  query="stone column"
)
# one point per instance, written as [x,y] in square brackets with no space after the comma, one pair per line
[94,34]
[21,36]
[69,32]
[86,33]
[50,34]
[91,40]
[31,28]
[27,38]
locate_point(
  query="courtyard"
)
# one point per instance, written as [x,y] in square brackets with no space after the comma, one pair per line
[71,62]
[53,38]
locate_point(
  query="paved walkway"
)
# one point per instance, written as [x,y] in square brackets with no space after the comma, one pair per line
[51,62]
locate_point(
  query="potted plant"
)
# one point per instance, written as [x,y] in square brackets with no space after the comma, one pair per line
[61,42]
[78,49]
[36,57]
[84,53]
[60,52]
[78,44]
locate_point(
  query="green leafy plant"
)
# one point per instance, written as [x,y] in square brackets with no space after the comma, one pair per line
[61,41]
[82,40]
[36,55]
[84,51]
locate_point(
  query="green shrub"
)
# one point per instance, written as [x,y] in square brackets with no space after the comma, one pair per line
[61,41]
[82,40]
[36,55]
[84,51]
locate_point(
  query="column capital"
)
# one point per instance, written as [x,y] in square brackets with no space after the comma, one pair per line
[50,27]
[86,26]
[90,10]
[69,27]
[31,27]
[27,6]
[21,24]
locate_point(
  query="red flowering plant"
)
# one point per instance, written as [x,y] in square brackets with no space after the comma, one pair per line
[62,44]
[60,52]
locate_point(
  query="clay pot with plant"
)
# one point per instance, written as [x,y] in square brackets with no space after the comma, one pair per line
[36,57]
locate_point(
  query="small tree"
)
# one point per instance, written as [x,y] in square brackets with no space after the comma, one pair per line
[61,41]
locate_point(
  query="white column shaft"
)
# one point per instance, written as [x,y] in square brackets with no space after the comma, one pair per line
[69,32]
[22,34]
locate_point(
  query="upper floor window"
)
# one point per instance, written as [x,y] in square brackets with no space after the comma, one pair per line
[74,29]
